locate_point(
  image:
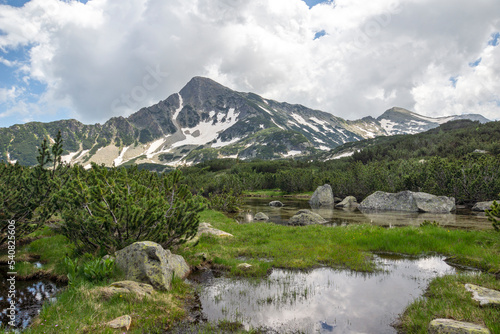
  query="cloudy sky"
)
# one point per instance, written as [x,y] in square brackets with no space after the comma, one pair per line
[95,59]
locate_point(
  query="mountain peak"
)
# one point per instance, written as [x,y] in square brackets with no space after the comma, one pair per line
[199,89]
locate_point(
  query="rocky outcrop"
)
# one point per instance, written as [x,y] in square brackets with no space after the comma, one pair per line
[408,201]
[485,296]
[323,196]
[148,262]
[306,217]
[348,202]
[449,326]
[276,204]
[260,216]
[482,206]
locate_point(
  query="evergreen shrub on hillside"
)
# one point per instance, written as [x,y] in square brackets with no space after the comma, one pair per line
[109,209]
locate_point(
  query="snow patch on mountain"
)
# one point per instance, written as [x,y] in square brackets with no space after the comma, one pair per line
[270,113]
[388,125]
[119,160]
[302,121]
[207,131]
[292,153]
[65,158]
[154,147]
[341,155]
[279,126]
[178,110]
[218,143]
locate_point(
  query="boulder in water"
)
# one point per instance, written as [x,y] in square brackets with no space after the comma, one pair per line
[323,196]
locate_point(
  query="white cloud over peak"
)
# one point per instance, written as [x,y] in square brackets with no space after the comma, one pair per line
[107,58]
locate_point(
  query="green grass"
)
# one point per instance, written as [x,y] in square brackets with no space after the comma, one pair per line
[84,310]
[446,297]
[266,245]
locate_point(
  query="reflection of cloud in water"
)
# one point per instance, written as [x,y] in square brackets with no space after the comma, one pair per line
[308,301]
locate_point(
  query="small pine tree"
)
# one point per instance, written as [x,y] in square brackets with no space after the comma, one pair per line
[494,215]
[109,209]
[26,194]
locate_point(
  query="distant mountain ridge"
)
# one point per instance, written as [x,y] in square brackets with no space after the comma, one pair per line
[206,120]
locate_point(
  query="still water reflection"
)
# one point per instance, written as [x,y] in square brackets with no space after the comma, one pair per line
[464,219]
[323,300]
[30,296]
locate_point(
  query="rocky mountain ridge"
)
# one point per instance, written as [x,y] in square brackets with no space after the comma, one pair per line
[206,120]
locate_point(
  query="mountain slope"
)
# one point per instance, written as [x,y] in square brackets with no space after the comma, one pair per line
[206,120]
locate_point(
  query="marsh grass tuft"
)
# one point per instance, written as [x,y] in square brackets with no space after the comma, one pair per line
[446,297]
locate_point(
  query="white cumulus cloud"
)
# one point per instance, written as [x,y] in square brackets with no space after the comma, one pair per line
[107,58]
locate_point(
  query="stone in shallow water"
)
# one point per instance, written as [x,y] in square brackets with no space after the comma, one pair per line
[482,206]
[306,217]
[323,196]
[484,296]
[260,216]
[276,204]
[448,326]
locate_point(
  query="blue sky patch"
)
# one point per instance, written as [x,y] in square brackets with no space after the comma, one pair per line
[312,3]
[14,3]
[454,81]
[475,63]
[494,39]
[320,34]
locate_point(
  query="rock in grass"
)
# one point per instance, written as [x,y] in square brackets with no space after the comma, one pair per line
[276,204]
[306,217]
[484,296]
[244,266]
[206,228]
[323,196]
[140,290]
[448,326]
[121,322]
[260,216]
[147,262]
[482,206]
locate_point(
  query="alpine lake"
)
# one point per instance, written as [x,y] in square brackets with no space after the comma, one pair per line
[326,300]
[321,300]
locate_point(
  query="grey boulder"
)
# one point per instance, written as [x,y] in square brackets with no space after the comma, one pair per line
[348,202]
[323,196]
[260,216]
[408,201]
[306,217]
[276,204]
[449,326]
[482,206]
[147,262]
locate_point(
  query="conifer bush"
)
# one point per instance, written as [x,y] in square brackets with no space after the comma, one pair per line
[27,193]
[494,215]
[108,209]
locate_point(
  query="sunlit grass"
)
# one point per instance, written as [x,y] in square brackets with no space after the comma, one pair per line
[348,247]
[84,310]
[446,297]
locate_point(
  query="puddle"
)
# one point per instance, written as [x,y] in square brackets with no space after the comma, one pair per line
[462,218]
[30,296]
[322,300]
